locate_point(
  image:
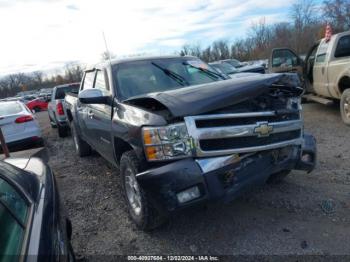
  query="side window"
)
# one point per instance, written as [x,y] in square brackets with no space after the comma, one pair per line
[343,47]
[100,82]
[88,80]
[13,216]
[284,58]
[322,52]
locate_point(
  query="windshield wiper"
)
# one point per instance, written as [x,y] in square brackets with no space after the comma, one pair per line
[178,78]
[208,72]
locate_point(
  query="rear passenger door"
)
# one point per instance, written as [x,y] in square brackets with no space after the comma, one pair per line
[339,63]
[320,70]
[100,117]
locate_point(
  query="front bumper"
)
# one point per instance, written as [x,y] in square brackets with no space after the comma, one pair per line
[222,178]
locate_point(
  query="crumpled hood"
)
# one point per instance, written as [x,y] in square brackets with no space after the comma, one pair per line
[199,99]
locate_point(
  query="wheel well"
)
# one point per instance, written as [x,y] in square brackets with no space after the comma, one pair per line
[344,83]
[69,115]
[120,147]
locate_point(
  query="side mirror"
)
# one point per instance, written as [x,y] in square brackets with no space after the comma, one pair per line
[93,96]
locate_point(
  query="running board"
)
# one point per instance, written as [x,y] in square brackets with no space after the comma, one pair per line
[318,99]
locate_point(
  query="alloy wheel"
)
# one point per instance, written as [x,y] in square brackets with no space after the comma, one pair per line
[133,191]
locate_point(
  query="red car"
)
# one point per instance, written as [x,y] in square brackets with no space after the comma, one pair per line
[37,105]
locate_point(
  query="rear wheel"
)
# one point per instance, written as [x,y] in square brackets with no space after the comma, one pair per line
[278,177]
[141,209]
[81,147]
[345,106]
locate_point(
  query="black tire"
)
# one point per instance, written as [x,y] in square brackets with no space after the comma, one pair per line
[36,109]
[345,106]
[62,131]
[81,147]
[148,218]
[278,177]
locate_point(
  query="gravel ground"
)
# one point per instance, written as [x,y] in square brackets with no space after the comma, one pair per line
[306,214]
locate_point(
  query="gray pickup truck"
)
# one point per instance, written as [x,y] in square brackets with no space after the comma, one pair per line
[55,108]
[182,137]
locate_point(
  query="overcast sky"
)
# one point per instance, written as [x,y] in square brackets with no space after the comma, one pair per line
[39,34]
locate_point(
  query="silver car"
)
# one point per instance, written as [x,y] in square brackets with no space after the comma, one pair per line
[19,125]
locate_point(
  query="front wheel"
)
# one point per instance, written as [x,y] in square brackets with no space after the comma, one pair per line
[81,147]
[345,106]
[140,208]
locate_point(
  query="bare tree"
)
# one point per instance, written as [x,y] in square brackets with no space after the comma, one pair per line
[303,13]
[38,77]
[73,73]
[337,12]
[260,34]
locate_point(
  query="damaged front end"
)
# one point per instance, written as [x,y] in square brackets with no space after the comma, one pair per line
[234,144]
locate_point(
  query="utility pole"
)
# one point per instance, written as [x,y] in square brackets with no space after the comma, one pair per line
[3,144]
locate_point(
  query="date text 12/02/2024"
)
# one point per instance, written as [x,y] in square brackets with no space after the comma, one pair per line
[173,258]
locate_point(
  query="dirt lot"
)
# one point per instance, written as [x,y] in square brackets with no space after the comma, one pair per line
[307,214]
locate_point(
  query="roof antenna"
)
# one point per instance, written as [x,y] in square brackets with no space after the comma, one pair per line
[108,53]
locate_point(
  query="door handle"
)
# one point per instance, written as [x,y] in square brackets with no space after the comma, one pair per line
[91,114]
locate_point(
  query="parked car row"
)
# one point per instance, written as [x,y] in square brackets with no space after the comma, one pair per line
[236,69]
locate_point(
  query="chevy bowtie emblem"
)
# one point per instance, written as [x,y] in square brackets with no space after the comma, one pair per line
[263,129]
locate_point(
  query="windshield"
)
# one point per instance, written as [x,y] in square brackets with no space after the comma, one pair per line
[225,68]
[157,75]
[9,108]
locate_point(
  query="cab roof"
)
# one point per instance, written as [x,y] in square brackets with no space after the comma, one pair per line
[134,59]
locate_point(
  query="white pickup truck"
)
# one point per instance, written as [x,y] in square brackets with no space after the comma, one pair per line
[325,70]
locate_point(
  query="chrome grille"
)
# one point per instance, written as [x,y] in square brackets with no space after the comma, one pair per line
[223,138]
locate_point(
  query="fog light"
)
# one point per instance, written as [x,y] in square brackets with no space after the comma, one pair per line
[188,194]
[306,158]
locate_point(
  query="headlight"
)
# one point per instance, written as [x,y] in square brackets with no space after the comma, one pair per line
[166,142]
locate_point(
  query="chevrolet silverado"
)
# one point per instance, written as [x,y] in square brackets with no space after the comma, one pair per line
[182,137]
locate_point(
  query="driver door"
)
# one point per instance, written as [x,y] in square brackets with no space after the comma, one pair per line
[86,123]
[284,60]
